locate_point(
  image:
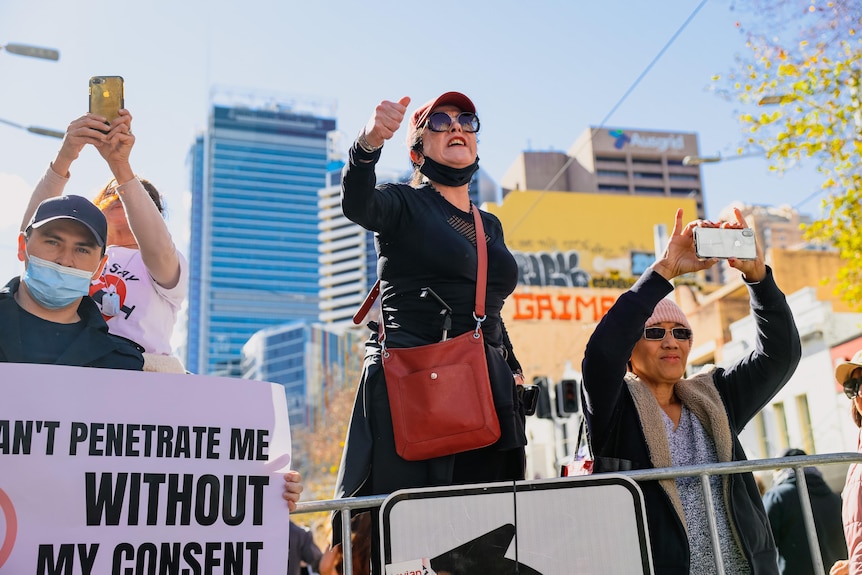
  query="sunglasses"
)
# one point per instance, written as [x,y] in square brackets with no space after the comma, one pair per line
[851,387]
[658,333]
[442,122]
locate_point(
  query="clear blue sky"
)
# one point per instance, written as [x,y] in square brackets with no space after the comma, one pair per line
[539,72]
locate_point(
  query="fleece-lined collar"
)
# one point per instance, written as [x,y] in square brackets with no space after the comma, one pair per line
[701,397]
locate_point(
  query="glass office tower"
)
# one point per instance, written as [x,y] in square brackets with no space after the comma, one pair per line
[254,224]
[311,361]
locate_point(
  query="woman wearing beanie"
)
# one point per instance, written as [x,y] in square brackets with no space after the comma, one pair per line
[643,413]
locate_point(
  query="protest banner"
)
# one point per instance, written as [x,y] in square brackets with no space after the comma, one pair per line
[110,471]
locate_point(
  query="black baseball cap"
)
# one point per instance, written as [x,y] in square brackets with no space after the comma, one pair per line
[75,208]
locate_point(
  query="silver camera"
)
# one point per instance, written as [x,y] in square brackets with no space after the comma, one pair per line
[724,243]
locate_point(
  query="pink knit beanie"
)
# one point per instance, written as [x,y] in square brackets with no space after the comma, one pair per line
[667,310]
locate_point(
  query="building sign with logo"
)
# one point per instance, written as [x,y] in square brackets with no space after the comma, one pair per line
[615,139]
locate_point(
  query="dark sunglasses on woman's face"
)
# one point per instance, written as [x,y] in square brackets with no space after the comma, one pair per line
[441,122]
[851,387]
[658,333]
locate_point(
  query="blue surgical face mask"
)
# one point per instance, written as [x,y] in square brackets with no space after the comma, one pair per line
[54,286]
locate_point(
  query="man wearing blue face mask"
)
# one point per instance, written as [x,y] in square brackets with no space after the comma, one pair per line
[47,314]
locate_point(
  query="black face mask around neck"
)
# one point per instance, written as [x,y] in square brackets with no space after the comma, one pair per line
[447,175]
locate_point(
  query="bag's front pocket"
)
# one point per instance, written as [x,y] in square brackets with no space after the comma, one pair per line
[442,398]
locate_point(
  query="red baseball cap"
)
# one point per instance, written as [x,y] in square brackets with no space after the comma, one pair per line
[420,115]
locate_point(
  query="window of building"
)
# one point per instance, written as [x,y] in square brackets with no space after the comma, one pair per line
[690,177]
[698,364]
[641,261]
[612,188]
[762,436]
[805,430]
[671,162]
[617,159]
[781,424]
[652,175]
[648,190]
[654,161]
[612,173]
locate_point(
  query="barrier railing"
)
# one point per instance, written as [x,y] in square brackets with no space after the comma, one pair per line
[798,463]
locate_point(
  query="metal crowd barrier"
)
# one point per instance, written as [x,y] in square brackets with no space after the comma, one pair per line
[798,463]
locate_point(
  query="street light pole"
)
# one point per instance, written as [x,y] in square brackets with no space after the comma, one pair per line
[35,129]
[698,160]
[32,51]
[777,99]
[855,104]
[43,54]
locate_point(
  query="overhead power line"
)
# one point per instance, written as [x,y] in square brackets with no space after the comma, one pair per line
[614,108]
[631,88]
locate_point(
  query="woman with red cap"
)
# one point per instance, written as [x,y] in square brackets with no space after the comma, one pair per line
[425,237]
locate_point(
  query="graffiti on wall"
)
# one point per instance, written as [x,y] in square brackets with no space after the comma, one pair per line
[563,269]
[561,306]
[551,269]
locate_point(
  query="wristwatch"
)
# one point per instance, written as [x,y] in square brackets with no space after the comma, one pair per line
[363,143]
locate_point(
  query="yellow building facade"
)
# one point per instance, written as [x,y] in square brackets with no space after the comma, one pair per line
[576,253]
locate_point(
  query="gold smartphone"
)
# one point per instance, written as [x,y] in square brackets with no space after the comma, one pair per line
[106,96]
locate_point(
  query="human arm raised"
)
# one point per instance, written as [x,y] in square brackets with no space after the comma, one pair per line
[679,257]
[610,346]
[145,221]
[359,200]
[80,132]
[385,121]
[750,382]
[753,380]
[609,349]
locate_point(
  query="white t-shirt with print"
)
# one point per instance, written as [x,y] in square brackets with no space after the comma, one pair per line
[134,305]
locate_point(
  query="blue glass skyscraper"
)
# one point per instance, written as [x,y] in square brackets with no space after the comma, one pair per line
[254,234]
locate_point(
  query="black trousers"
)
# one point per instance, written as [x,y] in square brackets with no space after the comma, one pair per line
[390,472]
